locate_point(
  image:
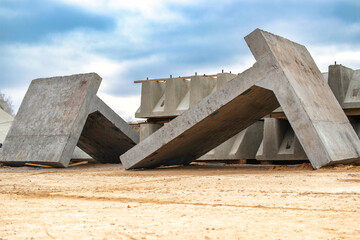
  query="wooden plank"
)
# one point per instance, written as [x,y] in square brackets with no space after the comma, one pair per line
[38,165]
[281,115]
[78,163]
[165,79]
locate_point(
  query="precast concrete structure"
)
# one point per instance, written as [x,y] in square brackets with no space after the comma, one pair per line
[6,120]
[167,100]
[280,141]
[284,74]
[59,113]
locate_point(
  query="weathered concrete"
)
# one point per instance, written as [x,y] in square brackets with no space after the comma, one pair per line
[55,113]
[284,69]
[177,96]
[105,135]
[79,154]
[243,145]
[6,120]
[281,144]
[147,129]
[280,141]
[345,84]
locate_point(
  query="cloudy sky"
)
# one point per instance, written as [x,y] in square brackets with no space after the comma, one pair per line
[130,40]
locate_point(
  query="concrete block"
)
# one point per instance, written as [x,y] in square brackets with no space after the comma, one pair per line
[6,121]
[280,141]
[58,113]
[284,73]
[288,146]
[179,95]
[243,145]
[79,154]
[149,128]
[152,99]
[201,87]
[175,92]
[174,96]
[345,83]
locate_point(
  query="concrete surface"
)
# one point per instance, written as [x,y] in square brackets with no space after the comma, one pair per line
[148,128]
[6,120]
[171,98]
[106,135]
[283,68]
[243,145]
[51,119]
[280,141]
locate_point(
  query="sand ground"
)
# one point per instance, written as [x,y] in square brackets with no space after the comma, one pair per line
[103,201]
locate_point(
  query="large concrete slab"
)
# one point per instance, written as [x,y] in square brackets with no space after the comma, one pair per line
[51,120]
[284,73]
[280,141]
[6,120]
[177,96]
[106,135]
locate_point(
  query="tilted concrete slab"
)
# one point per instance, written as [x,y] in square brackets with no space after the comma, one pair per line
[283,69]
[106,135]
[280,141]
[6,120]
[171,98]
[55,113]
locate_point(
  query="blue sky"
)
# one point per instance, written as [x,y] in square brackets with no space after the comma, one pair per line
[125,41]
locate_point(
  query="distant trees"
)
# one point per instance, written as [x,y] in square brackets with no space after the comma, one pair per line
[6,104]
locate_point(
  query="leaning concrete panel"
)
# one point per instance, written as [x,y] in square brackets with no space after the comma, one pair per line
[344,83]
[284,69]
[178,96]
[105,135]
[6,121]
[313,111]
[51,119]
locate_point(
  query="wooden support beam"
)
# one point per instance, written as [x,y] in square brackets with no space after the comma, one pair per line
[38,165]
[281,115]
[165,79]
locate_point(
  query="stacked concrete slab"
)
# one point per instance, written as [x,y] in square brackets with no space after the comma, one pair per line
[280,141]
[161,101]
[284,74]
[59,113]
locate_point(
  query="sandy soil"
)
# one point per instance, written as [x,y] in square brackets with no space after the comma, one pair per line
[195,202]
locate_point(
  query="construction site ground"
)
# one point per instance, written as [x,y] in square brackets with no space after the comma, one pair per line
[199,201]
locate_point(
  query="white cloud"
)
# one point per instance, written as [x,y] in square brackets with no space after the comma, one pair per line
[342,54]
[155,10]
[66,56]
[125,107]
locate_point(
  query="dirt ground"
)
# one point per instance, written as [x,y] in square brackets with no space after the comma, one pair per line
[103,201]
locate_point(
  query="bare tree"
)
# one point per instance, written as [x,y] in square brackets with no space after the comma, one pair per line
[6,104]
